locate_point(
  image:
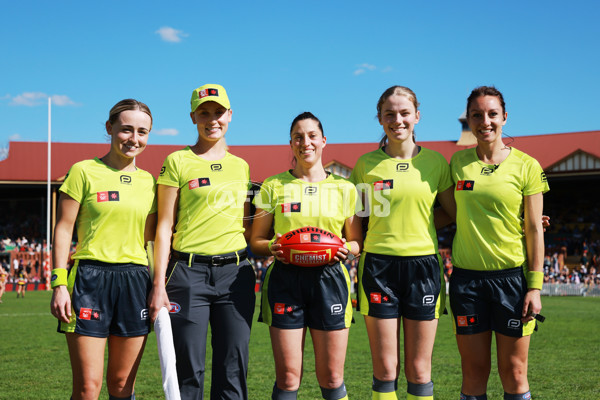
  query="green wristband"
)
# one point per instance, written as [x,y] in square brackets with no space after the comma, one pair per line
[535,279]
[59,277]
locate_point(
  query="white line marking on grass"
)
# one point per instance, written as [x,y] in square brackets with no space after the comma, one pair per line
[26,315]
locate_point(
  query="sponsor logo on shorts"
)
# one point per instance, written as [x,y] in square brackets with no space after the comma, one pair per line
[428,300]
[290,207]
[281,308]
[107,196]
[402,167]
[89,314]
[465,185]
[337,309]
[200,182]
[216,167]
[527,396]
[467,320]
[310,190]
[125,179]
[378,298]
[144,314]
[175,308]
[513,323]
[383,184]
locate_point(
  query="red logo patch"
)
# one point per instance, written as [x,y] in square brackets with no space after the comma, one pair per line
[279,308]
[290,207]
[376,298]
[85,313]
[465,185]
[107,196]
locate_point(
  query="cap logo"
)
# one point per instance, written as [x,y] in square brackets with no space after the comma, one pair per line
[208,92]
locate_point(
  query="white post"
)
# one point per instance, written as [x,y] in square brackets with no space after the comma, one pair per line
[48,188]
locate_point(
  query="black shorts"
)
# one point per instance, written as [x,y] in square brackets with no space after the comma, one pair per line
[489,300]
[108,299]
[394,286]
[317,297]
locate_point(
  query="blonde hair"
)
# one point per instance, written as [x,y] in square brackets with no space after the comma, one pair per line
[395,91]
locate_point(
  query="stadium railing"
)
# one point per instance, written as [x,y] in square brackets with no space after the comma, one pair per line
[574,289]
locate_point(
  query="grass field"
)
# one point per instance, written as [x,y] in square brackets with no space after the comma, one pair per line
[563,358]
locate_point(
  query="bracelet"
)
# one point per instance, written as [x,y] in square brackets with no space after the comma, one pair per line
[59,277]
[535,279]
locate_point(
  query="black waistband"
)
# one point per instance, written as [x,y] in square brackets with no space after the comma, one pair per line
[218,260]
[477,274]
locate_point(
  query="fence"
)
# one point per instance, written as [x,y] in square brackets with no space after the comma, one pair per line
[574,289]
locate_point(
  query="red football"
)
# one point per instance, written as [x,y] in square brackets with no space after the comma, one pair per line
[309,246]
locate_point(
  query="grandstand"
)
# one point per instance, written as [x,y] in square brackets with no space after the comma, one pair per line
[571,162]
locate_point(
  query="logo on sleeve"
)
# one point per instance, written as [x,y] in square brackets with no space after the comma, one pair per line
[465,185]
[544,179]
[162,170]
[467,320]
[196,183]
[402,167]
[216,167]
[125,179]
[89,315]
[384,184]
[290,207]
[107,196]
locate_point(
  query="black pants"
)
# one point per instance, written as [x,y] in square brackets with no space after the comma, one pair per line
[224,297]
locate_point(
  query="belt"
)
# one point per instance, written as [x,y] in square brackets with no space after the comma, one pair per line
[219,260]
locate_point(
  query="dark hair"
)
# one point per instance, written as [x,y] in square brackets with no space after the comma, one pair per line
[127,105]
[485,91]
[303,116]
[398,91]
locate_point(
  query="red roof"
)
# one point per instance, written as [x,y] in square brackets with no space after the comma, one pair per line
[27,161]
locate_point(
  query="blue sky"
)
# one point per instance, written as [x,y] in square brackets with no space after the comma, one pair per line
[279,58]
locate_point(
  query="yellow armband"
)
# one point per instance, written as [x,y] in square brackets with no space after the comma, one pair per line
[535,279]
[59,277]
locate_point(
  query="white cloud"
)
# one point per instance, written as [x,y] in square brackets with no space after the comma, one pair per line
[169,34]
[387,69]
[5,97]
[362,68]
[166,132]
[4,150]
[31,99]
[62,100]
